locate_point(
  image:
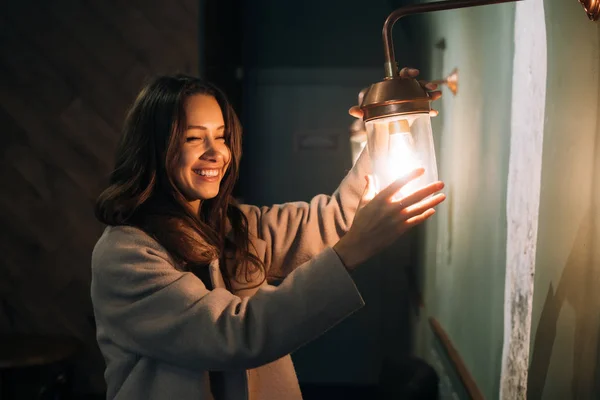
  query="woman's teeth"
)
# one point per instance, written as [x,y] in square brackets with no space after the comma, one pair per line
[207,172]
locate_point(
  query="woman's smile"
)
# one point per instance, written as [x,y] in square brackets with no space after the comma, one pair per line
[208,174]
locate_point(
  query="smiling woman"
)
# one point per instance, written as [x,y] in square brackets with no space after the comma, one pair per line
[180,276]
[179,130]
[205,155]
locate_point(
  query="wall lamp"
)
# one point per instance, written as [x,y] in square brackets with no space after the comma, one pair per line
[592,8]
[396,111]
[358,130]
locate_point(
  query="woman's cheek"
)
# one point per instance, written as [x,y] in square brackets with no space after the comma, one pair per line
[227,154]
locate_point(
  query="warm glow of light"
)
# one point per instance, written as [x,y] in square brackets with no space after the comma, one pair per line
[397,146]
[402,158]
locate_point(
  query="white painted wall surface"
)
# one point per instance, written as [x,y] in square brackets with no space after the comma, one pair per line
[523,192]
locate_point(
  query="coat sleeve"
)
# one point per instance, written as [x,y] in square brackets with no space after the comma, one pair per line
[143,304]
[295,232]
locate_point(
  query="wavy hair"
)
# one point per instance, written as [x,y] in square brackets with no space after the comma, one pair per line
[142,190]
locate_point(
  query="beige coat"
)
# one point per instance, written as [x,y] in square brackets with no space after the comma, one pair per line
[160,330]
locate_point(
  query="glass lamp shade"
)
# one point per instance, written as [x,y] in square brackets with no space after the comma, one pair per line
[398,145]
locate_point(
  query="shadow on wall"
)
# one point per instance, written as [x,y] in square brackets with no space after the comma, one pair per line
[577,286]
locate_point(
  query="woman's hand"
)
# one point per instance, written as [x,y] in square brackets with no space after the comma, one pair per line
[381,221]
[407,73]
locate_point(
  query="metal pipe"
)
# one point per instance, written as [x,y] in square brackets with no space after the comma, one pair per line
[391,68]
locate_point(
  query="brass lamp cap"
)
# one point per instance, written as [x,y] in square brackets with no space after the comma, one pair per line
[592,8]
[395,96]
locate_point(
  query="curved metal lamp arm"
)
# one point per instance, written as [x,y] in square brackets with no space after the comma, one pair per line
[391,67]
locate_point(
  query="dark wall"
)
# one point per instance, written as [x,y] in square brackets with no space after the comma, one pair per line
[303,65]
[68,71]
[242,39]
[294,50]
[314,33]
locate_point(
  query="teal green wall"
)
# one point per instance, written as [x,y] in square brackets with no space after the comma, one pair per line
[465,243]
[566,306]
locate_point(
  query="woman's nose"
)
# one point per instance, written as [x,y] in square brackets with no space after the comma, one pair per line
[212,153]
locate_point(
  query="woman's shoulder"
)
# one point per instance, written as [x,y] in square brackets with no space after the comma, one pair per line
[119,241]
[124,234]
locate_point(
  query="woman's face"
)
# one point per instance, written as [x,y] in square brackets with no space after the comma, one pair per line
[204,155]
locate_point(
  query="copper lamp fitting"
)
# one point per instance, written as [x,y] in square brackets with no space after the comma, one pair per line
[592,8]
[395,95]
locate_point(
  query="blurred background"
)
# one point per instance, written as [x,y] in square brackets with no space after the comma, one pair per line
[498,293]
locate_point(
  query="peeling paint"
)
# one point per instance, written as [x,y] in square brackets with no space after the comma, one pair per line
[523,192]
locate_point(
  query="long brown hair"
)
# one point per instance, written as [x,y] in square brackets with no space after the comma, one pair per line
[142,192]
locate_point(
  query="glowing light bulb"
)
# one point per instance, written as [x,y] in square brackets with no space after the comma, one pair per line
[402,155]
[397,146]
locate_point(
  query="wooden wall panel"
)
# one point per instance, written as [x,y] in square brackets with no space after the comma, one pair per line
[142,37]
[69,69]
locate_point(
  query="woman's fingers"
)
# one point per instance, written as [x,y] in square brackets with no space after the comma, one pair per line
[428,85]
[389,192]
[419,195]
[407,72]
[435,95]
[422,206]
[419,218]
[356,112]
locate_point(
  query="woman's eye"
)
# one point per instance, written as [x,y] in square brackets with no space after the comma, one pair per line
[221,138]
[192,138]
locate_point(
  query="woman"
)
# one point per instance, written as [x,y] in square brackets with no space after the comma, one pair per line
[179,277]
